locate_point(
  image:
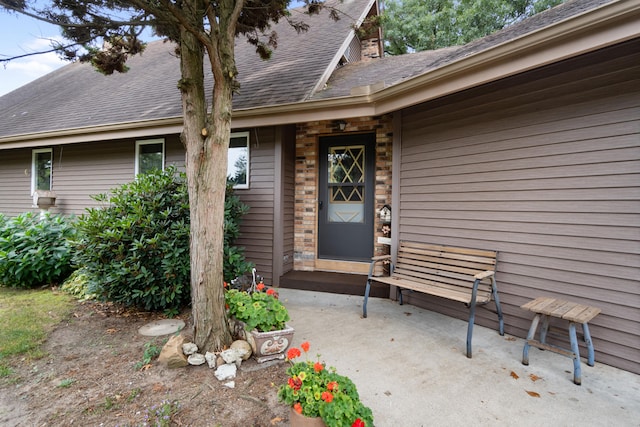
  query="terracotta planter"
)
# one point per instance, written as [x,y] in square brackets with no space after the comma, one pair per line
[298,420]
[266,346]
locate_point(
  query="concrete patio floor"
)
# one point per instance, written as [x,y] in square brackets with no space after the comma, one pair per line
[410,368]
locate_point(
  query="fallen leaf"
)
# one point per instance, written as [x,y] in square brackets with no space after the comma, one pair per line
[112,331]
[388,393]
[276,420]
[393,339]
[510,338]
[532,393]
[514,375]
[406,313]
[534,378]
[157,387]
[146,367]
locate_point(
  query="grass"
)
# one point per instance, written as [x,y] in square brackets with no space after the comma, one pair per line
[26,316]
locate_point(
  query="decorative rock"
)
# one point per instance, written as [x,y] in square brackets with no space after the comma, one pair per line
[226,372]
[243,345]
[172,355]
[196,359]
[230,384]
[211,359]
[233,355]
[189,348]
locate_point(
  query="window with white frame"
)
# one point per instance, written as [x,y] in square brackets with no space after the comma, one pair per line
[149,155]
[238,160]
[41,169]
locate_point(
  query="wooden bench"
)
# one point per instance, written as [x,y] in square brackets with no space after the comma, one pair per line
[458,274]
[572,312]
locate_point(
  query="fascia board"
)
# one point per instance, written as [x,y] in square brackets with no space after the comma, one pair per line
[95,133]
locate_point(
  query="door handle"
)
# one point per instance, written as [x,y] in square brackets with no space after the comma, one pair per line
[320,204]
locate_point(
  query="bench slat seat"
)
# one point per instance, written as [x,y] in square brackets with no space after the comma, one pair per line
[464,275]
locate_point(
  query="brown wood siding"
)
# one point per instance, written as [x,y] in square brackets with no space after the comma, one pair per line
[15,182]
[257,225]
[544,168]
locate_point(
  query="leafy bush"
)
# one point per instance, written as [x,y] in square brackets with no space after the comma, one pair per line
[35,250]
[136,250]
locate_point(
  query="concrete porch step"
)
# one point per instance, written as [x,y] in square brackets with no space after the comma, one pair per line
[337,283]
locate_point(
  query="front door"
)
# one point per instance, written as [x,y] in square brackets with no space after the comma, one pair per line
[346,197]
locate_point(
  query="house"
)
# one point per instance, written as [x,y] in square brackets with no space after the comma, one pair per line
[526,142]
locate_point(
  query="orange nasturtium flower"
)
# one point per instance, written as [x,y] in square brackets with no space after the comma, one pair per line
[270,291]
[297,407]
[327,397]
[260,286]
[293,353]
[332,386]
[305,346]
[358,423]
[318,367]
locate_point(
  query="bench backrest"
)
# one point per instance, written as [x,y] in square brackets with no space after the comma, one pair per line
[445,266]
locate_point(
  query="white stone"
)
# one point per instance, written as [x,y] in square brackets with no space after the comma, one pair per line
[196,359]
[226,372]
[211,359]
[189,348]
[233,355]
[230,384]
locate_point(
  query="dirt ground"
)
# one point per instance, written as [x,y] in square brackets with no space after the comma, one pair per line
[89,378]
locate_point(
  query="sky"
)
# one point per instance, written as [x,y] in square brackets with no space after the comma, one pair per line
[19,35]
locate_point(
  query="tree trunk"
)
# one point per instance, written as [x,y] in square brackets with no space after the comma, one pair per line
[206,167]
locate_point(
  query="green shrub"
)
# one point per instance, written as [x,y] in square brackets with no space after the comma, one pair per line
[35,250]
[136,250]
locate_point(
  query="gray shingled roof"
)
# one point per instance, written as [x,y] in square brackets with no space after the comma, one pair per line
[77,96]
[392,70]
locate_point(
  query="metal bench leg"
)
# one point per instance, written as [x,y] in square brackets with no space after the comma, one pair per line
[366,297]
[472,315]
[544,329]
[587,339]
[530,336]
[577,373]
[367,290]
[496,299]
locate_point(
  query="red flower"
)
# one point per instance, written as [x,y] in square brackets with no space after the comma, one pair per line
[332,386]
[358,423]
[270,291]
[293,353]
[295,383]
[260,286]
[305,346]
[318,367]
[327,397]
[225,284]
[297,407]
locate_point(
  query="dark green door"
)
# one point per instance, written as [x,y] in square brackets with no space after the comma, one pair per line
[346,197]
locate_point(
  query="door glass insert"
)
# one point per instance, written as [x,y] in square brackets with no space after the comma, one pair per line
[346,179]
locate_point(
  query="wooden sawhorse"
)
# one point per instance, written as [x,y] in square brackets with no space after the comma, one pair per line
[575,313]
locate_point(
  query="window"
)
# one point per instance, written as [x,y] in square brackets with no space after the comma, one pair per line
[41,169]
[149,155]
[238,160]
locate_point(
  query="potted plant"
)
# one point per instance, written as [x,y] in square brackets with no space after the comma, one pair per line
[315,391]
[259,317]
